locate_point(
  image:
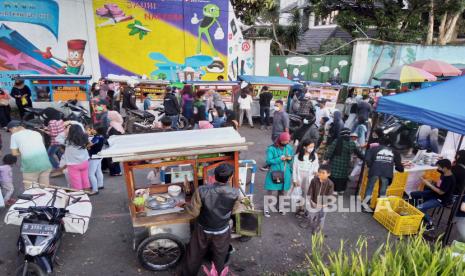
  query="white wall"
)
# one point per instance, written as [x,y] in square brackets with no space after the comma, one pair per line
[359,57]
[262,57]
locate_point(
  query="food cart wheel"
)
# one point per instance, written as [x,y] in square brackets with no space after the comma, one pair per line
[160,252]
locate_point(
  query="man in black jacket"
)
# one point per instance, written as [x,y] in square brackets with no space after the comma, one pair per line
[212,206]
[171,105]
[381,161]
[129,98]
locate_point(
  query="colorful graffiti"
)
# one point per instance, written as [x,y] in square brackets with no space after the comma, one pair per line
[377,58]
[240,51]
[162,38]
[311,68]
[34,39]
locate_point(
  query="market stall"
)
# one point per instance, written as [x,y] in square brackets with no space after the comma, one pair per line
[155,88]
[280,88]
[49,89]
[190,157]
[439,106]
[226,89]
[324,91]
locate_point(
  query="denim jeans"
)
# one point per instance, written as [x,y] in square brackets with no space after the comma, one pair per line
[371,185]
[52,154]
[95,174]
[425,200]
[174,121]
[265,115]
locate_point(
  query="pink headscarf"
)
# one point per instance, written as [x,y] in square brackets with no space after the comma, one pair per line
[116,121]
[284,136]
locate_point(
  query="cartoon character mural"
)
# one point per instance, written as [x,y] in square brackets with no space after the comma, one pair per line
[29,26]
[74,63]
[211,12]
[165,38]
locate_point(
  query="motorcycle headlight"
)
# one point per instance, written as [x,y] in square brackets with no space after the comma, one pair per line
[34,250]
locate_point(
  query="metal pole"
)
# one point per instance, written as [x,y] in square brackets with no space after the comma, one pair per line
[455,208]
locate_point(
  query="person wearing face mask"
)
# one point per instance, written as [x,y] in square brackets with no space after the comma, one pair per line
[304,168]
[279,159]
[435,194]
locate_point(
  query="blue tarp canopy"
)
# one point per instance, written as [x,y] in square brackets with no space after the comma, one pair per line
[441,106]
[266,80]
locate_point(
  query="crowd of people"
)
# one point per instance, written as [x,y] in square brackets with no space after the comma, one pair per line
[330,149]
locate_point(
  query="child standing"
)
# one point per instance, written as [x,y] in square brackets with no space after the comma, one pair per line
[76,157]
[6,178]
[320,188]
[97,141]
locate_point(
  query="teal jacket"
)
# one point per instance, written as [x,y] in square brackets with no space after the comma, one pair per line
[273,159]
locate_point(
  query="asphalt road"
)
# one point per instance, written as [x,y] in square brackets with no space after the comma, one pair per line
[106,249]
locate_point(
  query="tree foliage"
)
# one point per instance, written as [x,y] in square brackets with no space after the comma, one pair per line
[249,10]
[418,21]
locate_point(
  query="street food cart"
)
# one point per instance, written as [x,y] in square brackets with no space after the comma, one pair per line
[155,88]
[161,228]
[49,89]
[280,88]
[359,90]
[226,89]
[324,91]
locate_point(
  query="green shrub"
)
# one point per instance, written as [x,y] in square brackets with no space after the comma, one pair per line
[407,256]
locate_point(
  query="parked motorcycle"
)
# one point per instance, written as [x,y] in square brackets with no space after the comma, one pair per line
[40,237]
[76,112]
[401,134]
[144,121]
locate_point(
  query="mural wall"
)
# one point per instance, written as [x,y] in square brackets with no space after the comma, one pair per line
[311,68]
[44,37]
[163,38]
[371,59]
[240,51]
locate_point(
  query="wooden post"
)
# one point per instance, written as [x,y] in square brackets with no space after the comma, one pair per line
[236,169]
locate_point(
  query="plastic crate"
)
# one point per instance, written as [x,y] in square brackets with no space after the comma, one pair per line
[391,191]
[398,182]
[388,214]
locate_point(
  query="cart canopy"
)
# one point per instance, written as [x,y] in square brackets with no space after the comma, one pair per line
[266,80]
[440,106]
[212,82]
[173,144]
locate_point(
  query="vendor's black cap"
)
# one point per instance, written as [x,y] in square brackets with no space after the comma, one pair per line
[223,172]
[13,124]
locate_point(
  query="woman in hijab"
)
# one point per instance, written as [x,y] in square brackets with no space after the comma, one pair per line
[279,158]
[336,126]
[188,103]
[338,156]
[115,128]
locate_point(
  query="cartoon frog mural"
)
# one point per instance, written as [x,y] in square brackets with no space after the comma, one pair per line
[211,14]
